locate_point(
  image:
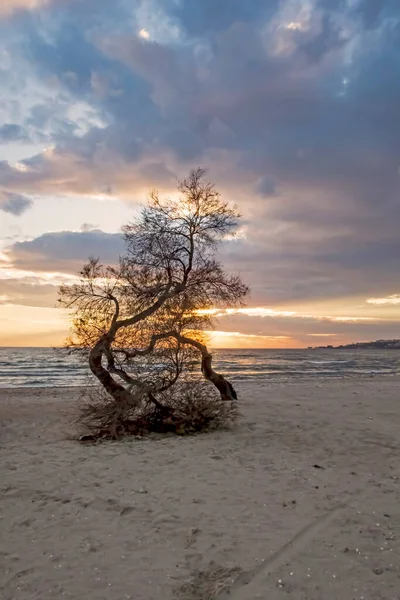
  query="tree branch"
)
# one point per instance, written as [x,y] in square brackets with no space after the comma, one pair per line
[148,312]
[224,387]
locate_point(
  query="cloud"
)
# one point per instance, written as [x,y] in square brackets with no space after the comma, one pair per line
[64,251]
[7,7]
[10,132]
[266,187]
[209,17]
[263,312]
[31,272]
[28,291]
[292,105]
[13,203]
[300,329]
[393,299]
[88,227]
[229,339]
[144,34]
[322,334]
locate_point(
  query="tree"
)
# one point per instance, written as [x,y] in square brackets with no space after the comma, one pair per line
[141,322]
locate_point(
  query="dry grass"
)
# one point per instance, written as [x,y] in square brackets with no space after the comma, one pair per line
[187,408]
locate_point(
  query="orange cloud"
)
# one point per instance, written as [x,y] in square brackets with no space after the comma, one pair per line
[261,311]
[235,339]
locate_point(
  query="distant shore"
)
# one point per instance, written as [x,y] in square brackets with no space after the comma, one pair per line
[377,345]
[302,498]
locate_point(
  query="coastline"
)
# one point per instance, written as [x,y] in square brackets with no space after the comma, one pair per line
[301,498]
[25,368]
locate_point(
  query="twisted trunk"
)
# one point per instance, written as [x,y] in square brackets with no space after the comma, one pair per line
[103,346]
[123,396]
[112,387]
[224,386]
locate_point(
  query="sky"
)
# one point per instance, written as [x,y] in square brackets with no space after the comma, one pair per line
[293,106]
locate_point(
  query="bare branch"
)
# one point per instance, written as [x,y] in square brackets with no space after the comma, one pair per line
[139,321]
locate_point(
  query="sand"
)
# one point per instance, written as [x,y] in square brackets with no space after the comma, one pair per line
[300,500]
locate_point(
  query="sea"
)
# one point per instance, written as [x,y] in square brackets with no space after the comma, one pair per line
[47,367]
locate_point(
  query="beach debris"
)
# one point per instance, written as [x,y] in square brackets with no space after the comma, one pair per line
[216,457]
[316,466]
[126,510]
[378,571]
[191,536]
[88,437]
[213,582]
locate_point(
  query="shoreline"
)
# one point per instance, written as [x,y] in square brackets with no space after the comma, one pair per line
[302,497]
[242,383]
[39,369]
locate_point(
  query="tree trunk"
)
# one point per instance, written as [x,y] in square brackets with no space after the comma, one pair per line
[123,396]
[224,387]
[117,391]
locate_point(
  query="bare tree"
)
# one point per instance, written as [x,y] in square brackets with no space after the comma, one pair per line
[141,321]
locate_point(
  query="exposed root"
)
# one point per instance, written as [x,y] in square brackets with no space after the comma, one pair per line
[188,408]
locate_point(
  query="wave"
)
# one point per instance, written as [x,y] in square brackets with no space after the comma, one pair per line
[43,367]
[329,362]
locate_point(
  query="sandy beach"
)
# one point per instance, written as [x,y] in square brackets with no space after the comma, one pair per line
[300,500]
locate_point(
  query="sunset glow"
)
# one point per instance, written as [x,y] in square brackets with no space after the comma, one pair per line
[292,110]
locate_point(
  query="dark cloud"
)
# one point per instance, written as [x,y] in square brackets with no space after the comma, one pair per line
[275,281]
[373,11]
[88,227]
[266,187]
[10,132]
[14,204]
[65,251]
[370,11]
[296,112]
[329,38]
[208,16]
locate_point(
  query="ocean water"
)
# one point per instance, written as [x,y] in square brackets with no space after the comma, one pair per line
[46,367]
